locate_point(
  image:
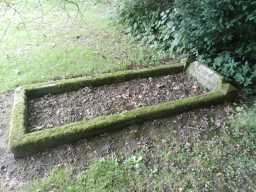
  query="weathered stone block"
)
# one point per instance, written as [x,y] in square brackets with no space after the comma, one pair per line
[205,76]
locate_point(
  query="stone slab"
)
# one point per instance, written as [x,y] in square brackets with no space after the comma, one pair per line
[208,78]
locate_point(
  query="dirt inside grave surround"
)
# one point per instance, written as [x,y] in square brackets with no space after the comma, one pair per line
[90,102]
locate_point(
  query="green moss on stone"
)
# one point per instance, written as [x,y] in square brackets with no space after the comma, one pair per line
[41,140]
[22,143]
[18,119]
[77,83]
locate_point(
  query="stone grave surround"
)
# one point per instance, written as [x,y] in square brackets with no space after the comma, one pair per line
[22,143]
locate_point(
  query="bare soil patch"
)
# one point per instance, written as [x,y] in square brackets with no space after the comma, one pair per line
[6,101]
[90,102]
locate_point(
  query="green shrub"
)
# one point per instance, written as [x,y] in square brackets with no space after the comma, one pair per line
[220,33]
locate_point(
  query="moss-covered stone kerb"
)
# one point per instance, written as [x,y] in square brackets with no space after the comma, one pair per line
[22,143]
[41,140]
[62,86]
[18,119]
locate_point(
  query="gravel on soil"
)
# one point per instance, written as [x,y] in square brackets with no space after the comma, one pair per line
[149,137]
[6,158]
[6,101]
[89,102]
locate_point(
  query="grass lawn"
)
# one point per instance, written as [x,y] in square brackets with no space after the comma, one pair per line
[53,40]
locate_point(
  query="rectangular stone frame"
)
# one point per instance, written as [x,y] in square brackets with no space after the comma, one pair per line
[22,143]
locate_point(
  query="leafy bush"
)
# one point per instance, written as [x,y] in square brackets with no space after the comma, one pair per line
[223,33]
[220,33]
[148,20]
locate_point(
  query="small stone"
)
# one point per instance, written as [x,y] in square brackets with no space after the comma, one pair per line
[159,86]
[3,168]
[176,88]
[194,87]
[13,184]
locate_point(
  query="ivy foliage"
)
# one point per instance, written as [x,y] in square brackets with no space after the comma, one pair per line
[220,33]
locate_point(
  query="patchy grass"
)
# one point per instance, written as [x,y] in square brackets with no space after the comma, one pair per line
[224,161]
[59,180]
[104,176]
[101,176]
[52,40]
[245,119]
